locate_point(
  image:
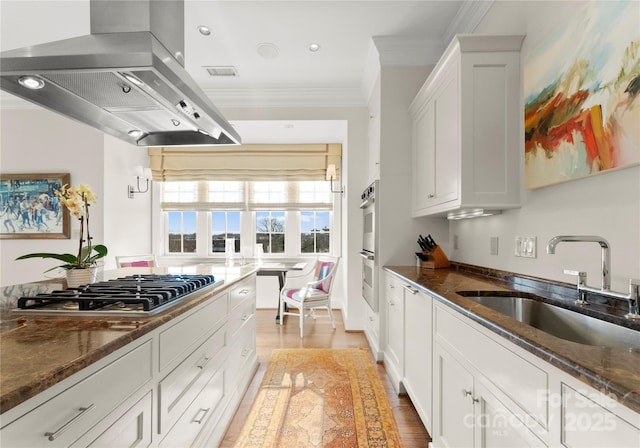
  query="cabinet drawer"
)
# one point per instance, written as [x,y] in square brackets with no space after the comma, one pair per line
[239,316]
[513,375]
[245,290]
[587,424]
[178,389]
[207,406]
[65,417]
[241,350]
[132,429]
[178,340]
[393,286]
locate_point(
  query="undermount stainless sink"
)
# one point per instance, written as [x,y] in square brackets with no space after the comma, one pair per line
[560,322]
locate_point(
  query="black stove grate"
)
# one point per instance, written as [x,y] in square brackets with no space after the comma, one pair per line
[143,292]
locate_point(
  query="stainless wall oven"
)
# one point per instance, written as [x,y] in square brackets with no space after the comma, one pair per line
[369,245]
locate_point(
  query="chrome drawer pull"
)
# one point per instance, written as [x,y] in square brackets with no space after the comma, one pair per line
[201,419]
[246,316]
[245,352]
[204,362]
[413,291]
[54,435]
[243,292]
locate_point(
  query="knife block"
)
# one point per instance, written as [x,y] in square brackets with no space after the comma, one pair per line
[436,259]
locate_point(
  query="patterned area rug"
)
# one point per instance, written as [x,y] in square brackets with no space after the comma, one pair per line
[320,398]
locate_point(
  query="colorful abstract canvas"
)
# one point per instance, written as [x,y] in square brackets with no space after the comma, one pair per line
[582,96]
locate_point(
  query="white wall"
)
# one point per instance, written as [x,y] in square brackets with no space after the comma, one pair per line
[38,141]
[607,205]
[127,222]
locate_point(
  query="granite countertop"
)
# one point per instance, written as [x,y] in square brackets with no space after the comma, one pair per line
[614,371]
[37,352]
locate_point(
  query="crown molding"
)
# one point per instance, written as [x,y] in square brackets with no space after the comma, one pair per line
[294,96]
[468,18]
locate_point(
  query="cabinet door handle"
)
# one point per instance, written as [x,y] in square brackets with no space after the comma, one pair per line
[245,317]
[475,400]
[243,292]
[245,352]
[413,291]
[431,196]
[466,393]
[204,413]
[204,362]
[82,411]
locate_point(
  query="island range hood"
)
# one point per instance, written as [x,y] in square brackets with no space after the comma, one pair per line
[126,78]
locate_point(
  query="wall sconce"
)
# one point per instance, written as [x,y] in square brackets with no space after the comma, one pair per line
[140,172]
[331,176]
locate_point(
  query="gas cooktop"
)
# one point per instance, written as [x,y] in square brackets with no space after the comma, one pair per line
[133,295]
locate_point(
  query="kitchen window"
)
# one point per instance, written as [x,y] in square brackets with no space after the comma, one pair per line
[315,232]
[182,236]
[225,225]
[288,218]
[270,231]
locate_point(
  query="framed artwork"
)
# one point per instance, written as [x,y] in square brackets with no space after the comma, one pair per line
[29,207]
[582,96]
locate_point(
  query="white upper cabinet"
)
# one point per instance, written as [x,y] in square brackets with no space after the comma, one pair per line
[467,128]
[373,150]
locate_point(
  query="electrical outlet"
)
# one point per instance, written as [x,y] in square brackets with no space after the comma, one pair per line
[526,246]
[494,245]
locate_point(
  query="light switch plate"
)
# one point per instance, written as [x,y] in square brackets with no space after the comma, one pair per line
[526,246]
[494,245]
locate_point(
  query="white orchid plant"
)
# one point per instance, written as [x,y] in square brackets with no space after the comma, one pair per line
[77,200]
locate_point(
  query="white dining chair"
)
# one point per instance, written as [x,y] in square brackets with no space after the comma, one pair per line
[136,261]
[311,291]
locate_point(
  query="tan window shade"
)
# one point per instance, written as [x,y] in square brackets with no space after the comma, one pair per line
[236,195]
[245,162]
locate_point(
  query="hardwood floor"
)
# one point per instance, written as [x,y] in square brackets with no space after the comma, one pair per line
[319,334]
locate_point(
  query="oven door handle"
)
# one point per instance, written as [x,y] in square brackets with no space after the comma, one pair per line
[366,203]
[367,256]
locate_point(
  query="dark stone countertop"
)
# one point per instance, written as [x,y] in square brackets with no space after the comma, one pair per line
[38,351]
[614,371]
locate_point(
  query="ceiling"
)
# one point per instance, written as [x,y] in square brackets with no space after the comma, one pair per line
[355,37]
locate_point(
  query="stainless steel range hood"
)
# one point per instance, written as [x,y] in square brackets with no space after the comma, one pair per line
[126,78]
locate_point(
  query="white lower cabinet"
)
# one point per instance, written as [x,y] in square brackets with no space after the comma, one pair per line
[132,429]
[469,414]
[176,387]
[418,331]
[71,413]
[394,348]
[586,423]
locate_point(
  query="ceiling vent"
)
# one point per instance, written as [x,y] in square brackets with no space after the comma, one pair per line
[226,72]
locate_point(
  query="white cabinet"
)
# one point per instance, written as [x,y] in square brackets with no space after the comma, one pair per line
[64,418]
[466,128]
[484,394]
[468,413]
[372,332]
[418,376]
[394,347]
[586,423]
[374,131]
[177,386]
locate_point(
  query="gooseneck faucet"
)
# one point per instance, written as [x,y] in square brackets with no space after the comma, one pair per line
[633,297]
[604,244]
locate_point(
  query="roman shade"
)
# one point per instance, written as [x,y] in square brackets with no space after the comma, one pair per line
[244,163]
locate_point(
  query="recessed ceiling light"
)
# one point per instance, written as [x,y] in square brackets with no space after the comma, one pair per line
[268,50]
[135,133]
[31,82]
[204,30]
[314,47]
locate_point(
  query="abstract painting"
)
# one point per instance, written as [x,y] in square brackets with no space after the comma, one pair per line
[582,96]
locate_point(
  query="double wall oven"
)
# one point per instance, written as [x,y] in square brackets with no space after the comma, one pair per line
[369,245]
